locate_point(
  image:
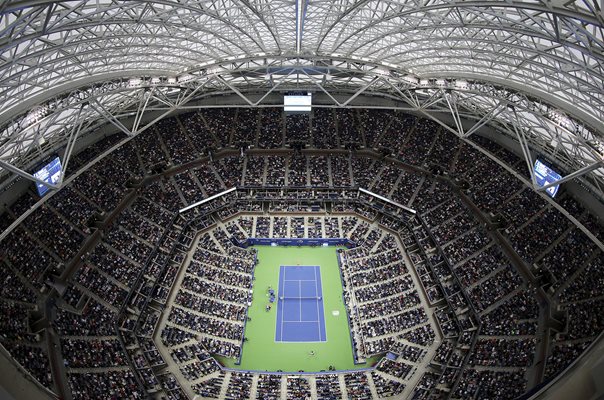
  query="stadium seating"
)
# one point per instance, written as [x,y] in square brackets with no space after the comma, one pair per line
[145,296]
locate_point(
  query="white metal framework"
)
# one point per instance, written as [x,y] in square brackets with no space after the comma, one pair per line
[532,69]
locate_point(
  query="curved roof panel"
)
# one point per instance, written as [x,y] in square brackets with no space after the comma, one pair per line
[552,51]
[555,46]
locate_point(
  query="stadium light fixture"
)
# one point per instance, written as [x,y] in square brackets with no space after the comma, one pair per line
[35,115]
[560,119]
[598,146]
[461,84]
[382,71]
[134,82]
[185,78]
[212,71]
[411,79]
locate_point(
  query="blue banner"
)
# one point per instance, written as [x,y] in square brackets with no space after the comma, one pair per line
[297,242]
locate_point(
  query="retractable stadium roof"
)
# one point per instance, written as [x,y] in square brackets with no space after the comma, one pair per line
[534,70]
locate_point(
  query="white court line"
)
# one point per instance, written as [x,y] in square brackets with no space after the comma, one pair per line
[317,294]
[298,280]
[300,291]
[314,322]
[282,306]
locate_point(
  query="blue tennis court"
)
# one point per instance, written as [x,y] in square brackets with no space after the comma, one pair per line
[300,316]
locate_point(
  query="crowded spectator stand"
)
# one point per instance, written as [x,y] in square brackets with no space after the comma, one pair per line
[142,297]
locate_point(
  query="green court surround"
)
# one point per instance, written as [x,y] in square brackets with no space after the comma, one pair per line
[261,352]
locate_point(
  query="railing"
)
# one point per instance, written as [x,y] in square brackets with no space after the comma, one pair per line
[246,314]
